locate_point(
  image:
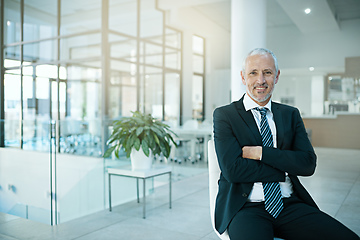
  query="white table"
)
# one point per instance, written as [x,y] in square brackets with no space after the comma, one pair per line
[193,134]
[140,174]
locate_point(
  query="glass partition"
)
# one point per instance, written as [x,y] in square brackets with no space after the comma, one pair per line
[23,194]
[197,97]
[151,22]
[12,103]
[54,82]
[123,16]
[153,93]
[81,48]
[172,98]
[198,83]
[11,22]
[172,38]
[78,16]
[40,20]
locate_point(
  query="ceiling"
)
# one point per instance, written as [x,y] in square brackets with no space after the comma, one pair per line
[325,15]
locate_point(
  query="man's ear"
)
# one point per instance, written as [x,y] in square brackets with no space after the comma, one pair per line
[242,78]
[277,76]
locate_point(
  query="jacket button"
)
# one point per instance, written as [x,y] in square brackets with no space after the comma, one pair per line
[244,195]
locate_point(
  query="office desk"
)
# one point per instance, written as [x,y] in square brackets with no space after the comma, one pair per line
[140,174]
[193,134]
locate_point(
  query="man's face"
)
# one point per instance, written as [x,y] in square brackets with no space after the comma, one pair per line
[260,77]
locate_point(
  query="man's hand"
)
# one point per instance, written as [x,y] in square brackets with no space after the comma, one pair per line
[252,152]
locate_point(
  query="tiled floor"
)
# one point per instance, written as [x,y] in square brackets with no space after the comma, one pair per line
[335,187]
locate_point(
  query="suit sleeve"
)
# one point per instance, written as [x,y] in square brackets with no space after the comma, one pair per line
[298,156]
[233,166]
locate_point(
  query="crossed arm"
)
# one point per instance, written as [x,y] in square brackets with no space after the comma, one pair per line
[243,165]
[252,152]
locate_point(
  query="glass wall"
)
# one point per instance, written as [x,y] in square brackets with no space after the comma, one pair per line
[198,80]
[90,64]
[70,68]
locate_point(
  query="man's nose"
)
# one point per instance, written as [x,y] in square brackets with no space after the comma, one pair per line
[261,78]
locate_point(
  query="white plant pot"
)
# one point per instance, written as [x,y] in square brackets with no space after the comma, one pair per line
[139,161]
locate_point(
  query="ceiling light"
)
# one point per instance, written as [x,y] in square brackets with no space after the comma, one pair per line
[311,69]
[307,11]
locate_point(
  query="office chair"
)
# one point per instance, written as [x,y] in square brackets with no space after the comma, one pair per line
[191,142]
[214,175]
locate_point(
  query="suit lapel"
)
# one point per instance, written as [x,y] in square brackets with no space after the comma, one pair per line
[248,119]
[278,119]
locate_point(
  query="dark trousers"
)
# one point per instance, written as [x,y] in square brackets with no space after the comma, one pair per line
[296,221]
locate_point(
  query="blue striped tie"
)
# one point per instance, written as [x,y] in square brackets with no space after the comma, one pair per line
[272,192]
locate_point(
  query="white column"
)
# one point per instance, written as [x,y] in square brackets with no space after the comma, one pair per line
[317,95]
[248,31]
[187,76]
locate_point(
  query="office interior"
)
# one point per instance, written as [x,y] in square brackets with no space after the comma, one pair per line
[70,68]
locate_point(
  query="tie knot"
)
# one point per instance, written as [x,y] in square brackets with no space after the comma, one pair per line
[262,111]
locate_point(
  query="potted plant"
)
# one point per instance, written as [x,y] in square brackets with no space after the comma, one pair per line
[140,136]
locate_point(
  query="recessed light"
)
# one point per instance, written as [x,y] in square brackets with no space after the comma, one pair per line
[311,69]
[307,11]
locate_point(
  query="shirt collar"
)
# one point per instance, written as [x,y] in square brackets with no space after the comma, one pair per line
[250,104]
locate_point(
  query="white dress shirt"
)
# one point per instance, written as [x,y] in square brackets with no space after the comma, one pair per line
[257,192]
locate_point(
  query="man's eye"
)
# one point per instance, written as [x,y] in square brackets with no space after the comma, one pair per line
[268,72]
[252,73]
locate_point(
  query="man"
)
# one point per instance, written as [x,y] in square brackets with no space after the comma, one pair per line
[262,147]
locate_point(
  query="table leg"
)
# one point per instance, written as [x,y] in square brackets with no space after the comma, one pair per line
[110,192]
[144,198]
[137,189]
[170,190]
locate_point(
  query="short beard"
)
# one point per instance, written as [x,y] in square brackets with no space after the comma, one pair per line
[267,95]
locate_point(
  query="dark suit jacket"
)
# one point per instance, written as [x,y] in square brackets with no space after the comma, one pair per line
[234,128]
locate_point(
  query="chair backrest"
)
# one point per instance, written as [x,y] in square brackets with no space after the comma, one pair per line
[214,175]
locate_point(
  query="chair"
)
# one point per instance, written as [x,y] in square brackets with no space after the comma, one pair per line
[214,175]
[189,142]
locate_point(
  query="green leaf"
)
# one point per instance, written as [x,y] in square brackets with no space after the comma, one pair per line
[137,144]
[156,130]
[145,148]
[109,151]
[164,149]
[131,141]
[156,138]
[139,131]
[117,152]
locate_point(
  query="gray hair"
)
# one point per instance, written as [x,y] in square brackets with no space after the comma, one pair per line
[261,51]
